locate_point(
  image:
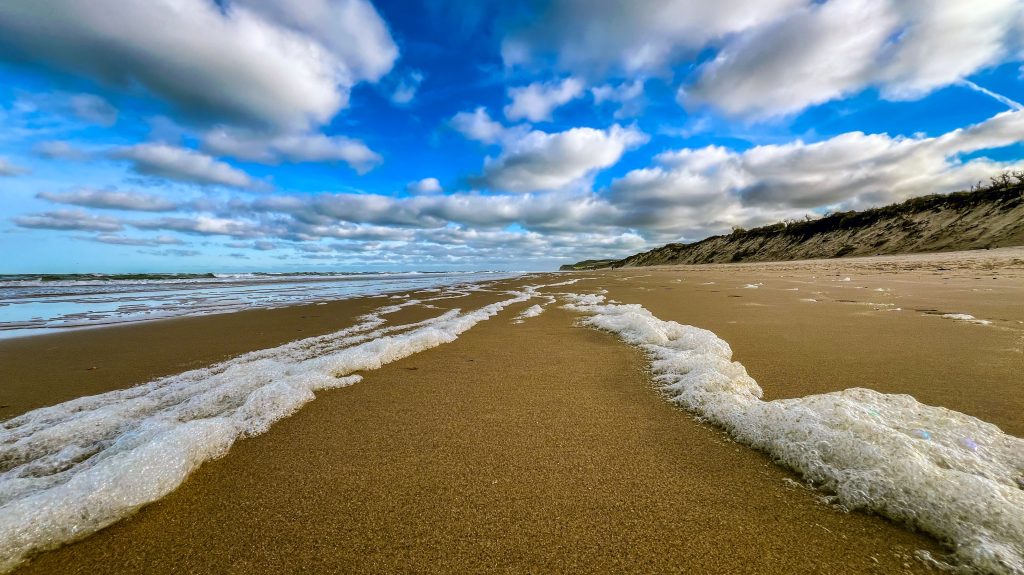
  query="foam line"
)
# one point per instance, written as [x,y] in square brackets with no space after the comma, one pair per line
[532,311]
[71,469]
[954,476]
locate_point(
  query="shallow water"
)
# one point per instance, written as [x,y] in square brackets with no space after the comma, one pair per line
[32,304]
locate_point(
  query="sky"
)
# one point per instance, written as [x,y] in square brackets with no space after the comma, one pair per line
[343,135]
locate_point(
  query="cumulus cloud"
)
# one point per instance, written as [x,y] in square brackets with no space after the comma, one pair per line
[828,51]
[374,216]
[538,100]
[60,150]
[643,36]
[813,55]
[183,164]
[774,57]
[406,89]
[543,161]
[118,240]
[943,42]
[73,220]
[424,186]
[284,64]
[262,245]
[9,169]
[628,95]
[545,210]
[111,199]
[765,183]
[275,148]
[478,125]
[204,225]
[94,109]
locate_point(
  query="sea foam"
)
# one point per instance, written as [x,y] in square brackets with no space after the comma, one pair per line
[954,476]
[71,469]
[532,311]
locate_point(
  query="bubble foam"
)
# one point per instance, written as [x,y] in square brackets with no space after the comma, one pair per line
[532,311]
[954,476]
[71,469]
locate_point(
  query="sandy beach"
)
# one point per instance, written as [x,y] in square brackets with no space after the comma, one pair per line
[542,445]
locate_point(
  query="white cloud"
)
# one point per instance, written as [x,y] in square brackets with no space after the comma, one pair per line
[69,220]
[172,253]
[906,48]
[9,169]
[629,96]
[94,109]
[406,89]
[536,101]
[774,57]
[814,55]
[425,186]
[693,188]
[943,42]
[203,225]
[111,199]
[351,29]
[183,164]
[478,125]
[60,150]
[119,240]
[283,64]
[263,246]
[1009,103]
[642,36]
[274,148]
[543,161]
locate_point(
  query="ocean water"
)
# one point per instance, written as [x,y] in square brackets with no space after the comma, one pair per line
[33,304]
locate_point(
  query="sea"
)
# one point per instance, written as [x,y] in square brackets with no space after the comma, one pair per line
[32,304]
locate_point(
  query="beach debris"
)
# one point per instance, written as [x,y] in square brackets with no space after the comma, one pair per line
[923,434]
[969,443]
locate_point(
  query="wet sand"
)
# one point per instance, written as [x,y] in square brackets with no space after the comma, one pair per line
[542,446]
[882,329]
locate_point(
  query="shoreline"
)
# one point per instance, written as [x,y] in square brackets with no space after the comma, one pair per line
[45,369]
[785,364]
[36,308]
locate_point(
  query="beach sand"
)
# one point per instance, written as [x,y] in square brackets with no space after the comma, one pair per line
[542,446]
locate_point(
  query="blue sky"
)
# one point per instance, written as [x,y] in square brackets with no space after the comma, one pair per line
[194,135]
